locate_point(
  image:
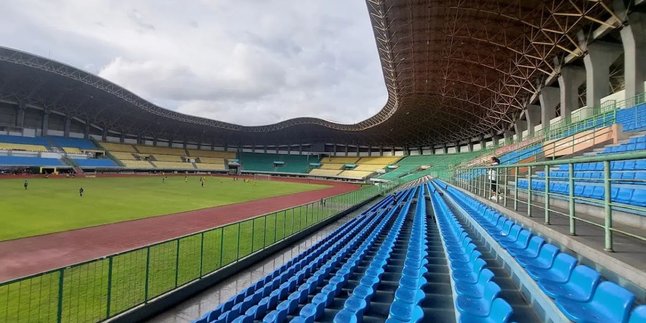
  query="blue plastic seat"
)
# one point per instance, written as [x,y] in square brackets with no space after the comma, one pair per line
[479,306]
[532,249]
[469,276]
[578,287]
[588,191]
[609,303]
[521,241]
[598,193]
[559,272]
[639,197]
[477,289]
[405,312]
[625,195]
[500,312]
[544,259]
[638,315]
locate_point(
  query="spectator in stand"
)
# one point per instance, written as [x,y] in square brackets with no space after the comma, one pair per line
[493,177]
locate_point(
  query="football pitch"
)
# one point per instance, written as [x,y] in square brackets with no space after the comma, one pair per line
[54,205]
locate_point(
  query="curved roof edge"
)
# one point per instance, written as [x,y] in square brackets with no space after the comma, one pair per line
[19,57]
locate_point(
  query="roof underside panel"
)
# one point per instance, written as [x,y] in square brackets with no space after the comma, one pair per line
[454,70]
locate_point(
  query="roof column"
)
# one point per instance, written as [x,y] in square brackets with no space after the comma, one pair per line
[633,37]
[393,150]
[509,138]
[470,146]
[550,98]
[495,140]
[533,115]
[483,142]
[300,149]
[381,151]
[569,81]
[45,122]
[445,149]
[122,137]
[519,127]
[20,114]
[86,133]
[346,150]
[67,126]
[104,133]
[155,141]
[597,67]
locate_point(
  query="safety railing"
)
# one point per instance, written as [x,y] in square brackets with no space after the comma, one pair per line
[584,181]
[587,118]
[102,288]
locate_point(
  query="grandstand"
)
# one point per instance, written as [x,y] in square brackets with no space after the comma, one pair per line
[554,233]
[413,167]
[276,163]
[357,168]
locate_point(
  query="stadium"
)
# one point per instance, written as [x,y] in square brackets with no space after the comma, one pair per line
[504,180]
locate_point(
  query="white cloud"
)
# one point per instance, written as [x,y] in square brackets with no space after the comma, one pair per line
[250,61]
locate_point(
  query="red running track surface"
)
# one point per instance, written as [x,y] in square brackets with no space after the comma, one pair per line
[27,256]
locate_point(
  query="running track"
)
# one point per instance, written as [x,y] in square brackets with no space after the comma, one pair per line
[27,256]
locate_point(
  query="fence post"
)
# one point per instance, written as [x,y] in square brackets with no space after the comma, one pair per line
[253,233]
[238,247]
[607,226]
[504,196]
[109,294]
[529,191]
[571,206]
[516,188]
[201,253]
[59,309]
[284,224]
[221,246]
[177,262]
[147,273]
[547,194]
[264,234]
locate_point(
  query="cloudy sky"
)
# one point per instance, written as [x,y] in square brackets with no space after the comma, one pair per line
[250,62]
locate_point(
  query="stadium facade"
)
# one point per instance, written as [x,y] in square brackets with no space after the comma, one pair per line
[458,74]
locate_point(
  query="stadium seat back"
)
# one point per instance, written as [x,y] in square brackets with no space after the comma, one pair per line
[638,315]
[613,299]
[585,280]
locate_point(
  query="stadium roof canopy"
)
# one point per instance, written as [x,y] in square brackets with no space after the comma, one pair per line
[454,70]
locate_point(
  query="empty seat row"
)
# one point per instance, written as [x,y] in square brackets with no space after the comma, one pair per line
[478,297]
[578,290]
[359,300]
[406,305]
[297,261]
[630,195]
[302,275]
[638,176]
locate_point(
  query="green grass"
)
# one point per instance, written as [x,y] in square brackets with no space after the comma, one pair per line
[102,288]
[53,205]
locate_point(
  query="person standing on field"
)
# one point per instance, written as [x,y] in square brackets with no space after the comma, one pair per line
[26,184]
[81,190]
